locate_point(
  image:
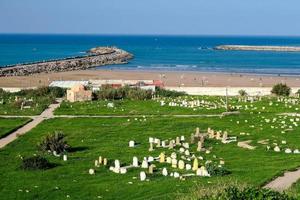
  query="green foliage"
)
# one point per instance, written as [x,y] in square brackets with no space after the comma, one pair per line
[215,170]
[2,92]
[281,89]
[109,93]
[168,93]
[249,193]
[35,163]
[57,92]
[54,142]
[54,92]
[38,100]
[242,93]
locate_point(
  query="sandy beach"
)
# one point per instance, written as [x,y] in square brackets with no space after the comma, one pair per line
[170,79]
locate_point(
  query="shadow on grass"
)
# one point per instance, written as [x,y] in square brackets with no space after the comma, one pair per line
[76,149]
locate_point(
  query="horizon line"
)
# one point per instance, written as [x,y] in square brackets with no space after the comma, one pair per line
[150,34]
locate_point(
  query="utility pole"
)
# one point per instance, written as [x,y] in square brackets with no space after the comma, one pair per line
[226,99]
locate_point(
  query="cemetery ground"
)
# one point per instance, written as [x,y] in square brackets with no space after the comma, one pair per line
[8,125]
[139,107]
[261,124]
[178,106]
[28,102]
[109,137]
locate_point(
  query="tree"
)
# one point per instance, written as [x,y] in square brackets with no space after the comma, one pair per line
[281,89]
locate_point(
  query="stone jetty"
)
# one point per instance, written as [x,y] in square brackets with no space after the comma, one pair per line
[98,56]
[258,48]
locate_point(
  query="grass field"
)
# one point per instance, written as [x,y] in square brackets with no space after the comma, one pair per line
[153,107]
[109,138]
[11,107]
[7,125]
[129,107]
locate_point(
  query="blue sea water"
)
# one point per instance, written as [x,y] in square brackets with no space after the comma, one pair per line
[167,53]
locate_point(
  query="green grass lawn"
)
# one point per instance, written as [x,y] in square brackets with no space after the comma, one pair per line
[130,107]
[153,107]
[10,106]
[7,125]
[109,138]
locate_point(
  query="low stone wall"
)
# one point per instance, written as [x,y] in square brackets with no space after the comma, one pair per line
[100,56]
[231,91]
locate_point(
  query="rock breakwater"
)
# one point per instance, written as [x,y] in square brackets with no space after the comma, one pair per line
[258,48]
[98,56]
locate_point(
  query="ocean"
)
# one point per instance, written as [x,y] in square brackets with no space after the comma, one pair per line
[167,53]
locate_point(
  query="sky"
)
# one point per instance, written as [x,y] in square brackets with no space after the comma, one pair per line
[152,17]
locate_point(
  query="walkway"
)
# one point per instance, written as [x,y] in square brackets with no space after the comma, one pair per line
[284,182]
[47,114]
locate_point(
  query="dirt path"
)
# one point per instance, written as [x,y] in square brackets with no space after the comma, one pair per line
[284,182]
[46,114]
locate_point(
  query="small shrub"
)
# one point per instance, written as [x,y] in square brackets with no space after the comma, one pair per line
[57,92]
[54,142]
[168,93]
[35,163]
[235,191]
[249,193]
[215,170]
[109,93]
[2,92]
[243,93]
[139,94]
[281,89]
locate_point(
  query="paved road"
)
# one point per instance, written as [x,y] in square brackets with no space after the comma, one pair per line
[46,114]
[284,182]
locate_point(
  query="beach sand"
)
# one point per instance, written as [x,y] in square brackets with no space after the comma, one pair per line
[171,79]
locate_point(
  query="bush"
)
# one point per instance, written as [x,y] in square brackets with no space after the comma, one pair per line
[168,93]
[250,193]
[139,94]
[57,92]
[109,93]
[35,163]
[242,93]
[234,192]
[215,170]
[281,89]
[2,92]
[43,91]
[54,142]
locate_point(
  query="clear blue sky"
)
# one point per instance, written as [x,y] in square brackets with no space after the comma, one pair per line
[197,17]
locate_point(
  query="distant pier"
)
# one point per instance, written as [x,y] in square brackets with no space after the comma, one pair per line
[98,56]
[258,48]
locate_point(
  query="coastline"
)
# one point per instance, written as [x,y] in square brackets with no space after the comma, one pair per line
[170,78]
